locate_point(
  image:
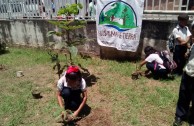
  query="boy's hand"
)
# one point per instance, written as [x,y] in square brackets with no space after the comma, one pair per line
[75,114]
[187,55]
[69,117]
[60,118]
[63,115]
[188,46]
[139,68]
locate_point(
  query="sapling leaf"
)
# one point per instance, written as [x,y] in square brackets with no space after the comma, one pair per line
[50,33]
[80,5]
[73,50]
[67,28]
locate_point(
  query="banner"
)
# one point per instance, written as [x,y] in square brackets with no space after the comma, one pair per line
[119,23]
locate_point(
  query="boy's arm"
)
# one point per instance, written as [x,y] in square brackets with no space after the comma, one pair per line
[181,41]
[59,99]
[141,64]
[75,114]
[60,102]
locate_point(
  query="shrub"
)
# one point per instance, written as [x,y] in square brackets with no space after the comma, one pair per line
[2,47]
[67,29]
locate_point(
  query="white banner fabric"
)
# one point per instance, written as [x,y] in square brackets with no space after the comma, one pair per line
[119,23]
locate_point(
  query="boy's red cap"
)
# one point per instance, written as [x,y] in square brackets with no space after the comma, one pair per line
[71,69]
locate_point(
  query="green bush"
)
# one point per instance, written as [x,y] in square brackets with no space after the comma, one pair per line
[68,29]
[2,47]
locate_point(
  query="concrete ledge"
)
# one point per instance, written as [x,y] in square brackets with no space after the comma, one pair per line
[33,33]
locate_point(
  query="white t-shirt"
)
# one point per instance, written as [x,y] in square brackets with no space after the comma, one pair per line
[189,68]
[92,9]
[63,83]
[155,57]
[192,23]
[183,33]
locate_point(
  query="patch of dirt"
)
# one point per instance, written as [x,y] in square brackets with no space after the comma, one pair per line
[45,79]
[100,114]
[153,83]
[2,67]
[41,75]
[97,117]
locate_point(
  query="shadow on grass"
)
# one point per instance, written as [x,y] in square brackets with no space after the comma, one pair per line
[4,52]
[2,67]
[90,79]
[85,56]
[38,97]
[85,111]
[168,78]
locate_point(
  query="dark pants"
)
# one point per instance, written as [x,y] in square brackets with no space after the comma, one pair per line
[179,58]
[72,98]
[156,71]
[186,95]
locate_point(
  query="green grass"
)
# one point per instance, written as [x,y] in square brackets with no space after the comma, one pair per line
[14,98]
[142,102]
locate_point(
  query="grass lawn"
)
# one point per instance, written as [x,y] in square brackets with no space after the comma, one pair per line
[114,99]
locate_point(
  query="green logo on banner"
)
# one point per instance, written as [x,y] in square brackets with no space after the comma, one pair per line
[119,15]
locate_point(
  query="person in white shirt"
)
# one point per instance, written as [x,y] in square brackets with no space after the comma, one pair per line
[154,63]
[53,6]
[192,32]
[186,94]
[182,36]
[72,89]
[92,8]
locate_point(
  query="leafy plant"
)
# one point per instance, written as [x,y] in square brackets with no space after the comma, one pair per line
[54,58]
[67,29]
[2,47]
[70,9]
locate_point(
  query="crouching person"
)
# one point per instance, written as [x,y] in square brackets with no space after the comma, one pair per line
[154,63]
[72,93]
